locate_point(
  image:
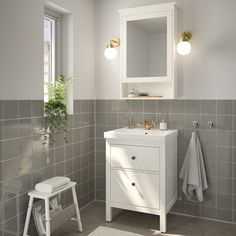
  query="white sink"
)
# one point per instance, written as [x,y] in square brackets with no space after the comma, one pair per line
[140,133]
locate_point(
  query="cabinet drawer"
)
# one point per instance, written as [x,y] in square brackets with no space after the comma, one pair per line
[135,188]
[135,157]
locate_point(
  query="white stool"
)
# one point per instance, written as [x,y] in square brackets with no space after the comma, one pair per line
[45,197]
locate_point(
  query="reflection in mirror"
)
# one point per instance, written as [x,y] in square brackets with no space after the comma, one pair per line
[147,47]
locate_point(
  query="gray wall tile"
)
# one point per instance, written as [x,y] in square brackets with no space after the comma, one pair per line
[224,169]
[224,185]
[37,108]
[112,119]
[224,138]
[101,106]
[77,106]
[224,107]
[209,199]
[10,109]
[209,152]
[208,212]
[101,118]
[10,149]
[177,106]
[136,106]
[208,107]
[85,106]
[11,128]
[1,150]
[234,123]
[190,209]
[163,106]
[10,209]
[205,119]
[112,106]
[193,106]
[224,122]
[207,137]
[234,139]
[123,119]
[234,107]
[124,106]
[224,154]
[150,106]
[25,109]
[224,201]
[1,130]
[225,215]
[25,127]
[59,154]
[177,121]
[1,110]
[1,171]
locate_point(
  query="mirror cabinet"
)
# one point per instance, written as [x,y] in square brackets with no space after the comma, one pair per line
[148,51]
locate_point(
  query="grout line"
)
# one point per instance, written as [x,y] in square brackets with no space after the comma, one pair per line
[216,162]
[232,164]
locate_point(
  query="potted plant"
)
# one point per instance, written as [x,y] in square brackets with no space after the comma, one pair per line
[55,110]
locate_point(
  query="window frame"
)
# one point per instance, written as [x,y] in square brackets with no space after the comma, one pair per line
[56,58]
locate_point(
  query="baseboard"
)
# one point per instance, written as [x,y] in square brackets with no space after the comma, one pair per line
[197,217]
[203,218]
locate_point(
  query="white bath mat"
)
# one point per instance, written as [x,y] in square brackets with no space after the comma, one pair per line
[104,231]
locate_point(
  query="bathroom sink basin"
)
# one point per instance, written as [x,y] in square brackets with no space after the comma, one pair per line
[140,133]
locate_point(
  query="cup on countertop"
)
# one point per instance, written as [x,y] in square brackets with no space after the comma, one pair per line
[163,126]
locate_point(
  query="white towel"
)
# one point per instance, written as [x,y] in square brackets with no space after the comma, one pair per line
[52,185]
[193,170]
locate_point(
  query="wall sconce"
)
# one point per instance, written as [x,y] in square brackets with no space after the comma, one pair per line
[111,52]
[184,46]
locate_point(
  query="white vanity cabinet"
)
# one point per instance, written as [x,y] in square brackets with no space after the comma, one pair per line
[141,171]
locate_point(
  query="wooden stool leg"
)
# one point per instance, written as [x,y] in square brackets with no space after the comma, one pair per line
[27,220]
[77,209]
[47,211]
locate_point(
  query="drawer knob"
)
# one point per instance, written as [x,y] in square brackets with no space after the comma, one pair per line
[133,157]
[133,184]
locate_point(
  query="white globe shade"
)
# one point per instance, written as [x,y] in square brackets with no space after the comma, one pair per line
[110,53]
[184,48]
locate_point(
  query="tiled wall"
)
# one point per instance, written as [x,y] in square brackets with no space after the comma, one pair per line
[23,162]
[218,144]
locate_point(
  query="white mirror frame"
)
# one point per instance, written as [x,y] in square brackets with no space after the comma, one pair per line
[148,12]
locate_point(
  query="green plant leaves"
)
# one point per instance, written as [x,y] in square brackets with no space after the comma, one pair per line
[55,109]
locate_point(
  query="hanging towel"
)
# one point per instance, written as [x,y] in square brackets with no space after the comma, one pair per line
[193,170]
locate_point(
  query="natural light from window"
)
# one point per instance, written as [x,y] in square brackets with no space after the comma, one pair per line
[49,54]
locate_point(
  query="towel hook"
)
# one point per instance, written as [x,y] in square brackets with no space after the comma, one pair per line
[211,124]
[195,124]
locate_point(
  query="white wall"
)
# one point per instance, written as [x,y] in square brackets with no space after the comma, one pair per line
[21,47]
[83,68]
[208,72]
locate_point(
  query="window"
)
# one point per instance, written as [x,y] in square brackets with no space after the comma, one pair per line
[52,48]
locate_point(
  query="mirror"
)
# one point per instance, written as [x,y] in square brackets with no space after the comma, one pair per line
[147,48]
